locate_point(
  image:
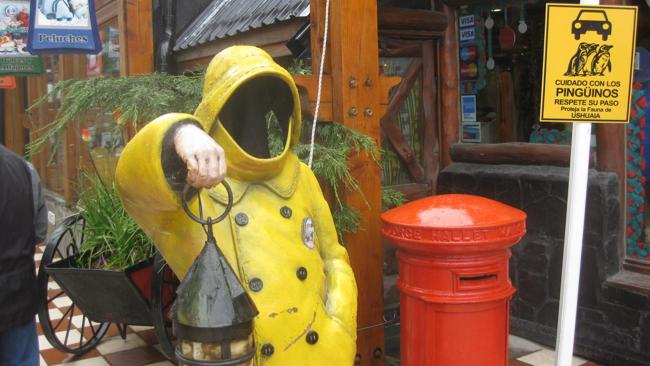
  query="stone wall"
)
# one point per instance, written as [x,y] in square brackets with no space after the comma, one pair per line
[613,325]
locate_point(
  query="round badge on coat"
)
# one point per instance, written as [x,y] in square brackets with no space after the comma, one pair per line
[308,232]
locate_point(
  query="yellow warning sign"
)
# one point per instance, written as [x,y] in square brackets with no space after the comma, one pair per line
[588,63]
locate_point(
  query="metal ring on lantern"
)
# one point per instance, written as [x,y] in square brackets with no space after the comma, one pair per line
[209,221]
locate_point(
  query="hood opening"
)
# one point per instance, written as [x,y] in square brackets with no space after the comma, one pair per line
[257,116]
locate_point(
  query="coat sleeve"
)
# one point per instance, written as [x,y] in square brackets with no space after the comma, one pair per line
[341,302]
[149,174]
[40,207]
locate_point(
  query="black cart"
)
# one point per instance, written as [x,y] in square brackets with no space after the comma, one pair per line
[140,295]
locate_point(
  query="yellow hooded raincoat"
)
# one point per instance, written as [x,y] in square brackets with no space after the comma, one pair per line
[300,283]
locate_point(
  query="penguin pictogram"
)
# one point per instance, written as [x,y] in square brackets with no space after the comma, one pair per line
[578,60]
[602,60]
[589,59]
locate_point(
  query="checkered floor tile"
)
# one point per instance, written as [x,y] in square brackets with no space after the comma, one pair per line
[140,348]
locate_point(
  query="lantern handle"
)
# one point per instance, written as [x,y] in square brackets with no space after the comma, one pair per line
[209,221]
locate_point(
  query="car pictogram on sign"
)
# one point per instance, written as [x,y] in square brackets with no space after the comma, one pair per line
[591,20]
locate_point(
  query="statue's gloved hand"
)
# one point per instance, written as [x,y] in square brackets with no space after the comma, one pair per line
[205,159]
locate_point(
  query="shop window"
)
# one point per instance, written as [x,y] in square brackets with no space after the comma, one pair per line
[103,141]
[501,54]
[55,152]
[106,62]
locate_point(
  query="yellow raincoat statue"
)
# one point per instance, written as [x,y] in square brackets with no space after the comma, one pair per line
[279,236]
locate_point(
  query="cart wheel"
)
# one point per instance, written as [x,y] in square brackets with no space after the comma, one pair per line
[163,294]
[73,332]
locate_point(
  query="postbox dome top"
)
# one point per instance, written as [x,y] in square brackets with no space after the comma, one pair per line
[454,219]
[453,210]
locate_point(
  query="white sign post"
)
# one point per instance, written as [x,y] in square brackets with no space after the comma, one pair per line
[576,105]
[573,232]
[578,177]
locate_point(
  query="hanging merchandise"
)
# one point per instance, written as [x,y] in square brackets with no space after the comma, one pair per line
[63,26]
[489,24]
[507,35]
[522,27]
[14,24]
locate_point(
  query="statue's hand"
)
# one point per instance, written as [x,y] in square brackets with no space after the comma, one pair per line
[205,159]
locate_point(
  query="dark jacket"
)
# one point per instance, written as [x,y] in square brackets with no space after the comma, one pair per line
[18,288]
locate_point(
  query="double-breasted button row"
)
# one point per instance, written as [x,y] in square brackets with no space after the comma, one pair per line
[312,337]
[255,284]
[286,212]
[241,218]
[301,273]
[267,349]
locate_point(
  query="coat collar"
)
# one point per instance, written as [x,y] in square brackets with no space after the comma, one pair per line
[283,184]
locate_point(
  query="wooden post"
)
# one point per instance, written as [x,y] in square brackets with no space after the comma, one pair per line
[354,55]
[449,115]
[137,28]
[431,153]
[611,142]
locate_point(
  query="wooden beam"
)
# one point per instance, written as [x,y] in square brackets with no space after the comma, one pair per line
[11,124]
[316,34]
[392,130]
[403,149]
[355,55]
[519,153]
[506,109]
[106,13]
[611,146]
[449,88]
[402,91]
[410,33]
[308,84]
[412,191]
[138,29]
[412,19]
[431,145]
[406,51]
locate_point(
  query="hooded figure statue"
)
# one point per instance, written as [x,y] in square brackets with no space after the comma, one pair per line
[279,236]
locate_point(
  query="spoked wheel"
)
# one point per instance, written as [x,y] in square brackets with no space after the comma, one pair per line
[63,323]
[163,295]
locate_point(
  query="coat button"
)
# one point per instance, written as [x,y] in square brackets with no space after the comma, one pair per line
[256,284]
[285,212]
[312,337]
[241,219]
[301,273]
[268,349]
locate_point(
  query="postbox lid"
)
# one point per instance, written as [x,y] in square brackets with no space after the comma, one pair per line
[454,219]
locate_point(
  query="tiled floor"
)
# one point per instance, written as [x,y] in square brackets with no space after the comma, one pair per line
[140,348]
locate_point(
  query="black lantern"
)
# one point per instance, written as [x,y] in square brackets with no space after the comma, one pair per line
[213,314]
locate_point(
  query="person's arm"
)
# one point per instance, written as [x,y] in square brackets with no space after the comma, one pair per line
[341,303]
[168,152]
[40,208]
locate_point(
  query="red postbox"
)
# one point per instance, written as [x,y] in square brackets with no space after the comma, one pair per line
[453,253]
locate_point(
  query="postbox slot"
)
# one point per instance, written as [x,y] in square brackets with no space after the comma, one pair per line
[479,278]
[476,281]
